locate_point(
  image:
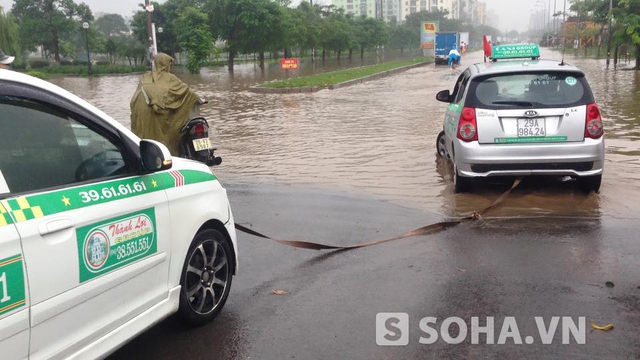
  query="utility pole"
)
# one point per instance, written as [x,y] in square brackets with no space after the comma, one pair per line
[555,24]
[578,32]
[610,33]
[148,9]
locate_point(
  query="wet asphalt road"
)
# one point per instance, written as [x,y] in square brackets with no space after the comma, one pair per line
[496,267]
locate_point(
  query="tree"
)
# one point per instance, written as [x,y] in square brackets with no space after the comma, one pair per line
[374,33]
[250,26]
[112,25]
[628,20]
[9,34]
[194,37]
[163,16]
[306,20]
[44,22]
[262,27]
[403,36]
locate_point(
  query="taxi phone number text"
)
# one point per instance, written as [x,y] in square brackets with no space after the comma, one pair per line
[132,248]
[111,192]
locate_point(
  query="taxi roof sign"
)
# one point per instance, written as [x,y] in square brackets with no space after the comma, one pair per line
[515,51]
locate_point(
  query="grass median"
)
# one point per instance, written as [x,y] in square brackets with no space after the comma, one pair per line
[335,77]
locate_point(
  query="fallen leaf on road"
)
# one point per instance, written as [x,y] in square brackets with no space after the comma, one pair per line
[279,292]
[609,284]
[604,328]
[462,270]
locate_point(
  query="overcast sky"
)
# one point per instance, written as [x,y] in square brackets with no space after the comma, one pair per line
[512,14]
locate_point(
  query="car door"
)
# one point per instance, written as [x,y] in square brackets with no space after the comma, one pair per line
[94,231]
[454,109]
[14,299]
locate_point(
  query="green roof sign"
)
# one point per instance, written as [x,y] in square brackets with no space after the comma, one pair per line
[515,51]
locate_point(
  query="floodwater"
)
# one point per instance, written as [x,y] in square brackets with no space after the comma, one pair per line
[378,138]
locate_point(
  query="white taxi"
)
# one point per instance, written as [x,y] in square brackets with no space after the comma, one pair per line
[102,234]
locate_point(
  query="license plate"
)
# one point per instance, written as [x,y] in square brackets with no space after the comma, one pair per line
[201,144]
[531,127]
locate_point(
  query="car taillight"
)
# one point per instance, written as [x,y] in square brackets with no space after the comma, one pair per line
[593,124]
[199,130]
[467,127]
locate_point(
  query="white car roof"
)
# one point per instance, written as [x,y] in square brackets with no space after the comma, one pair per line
[17,77]
[507,66]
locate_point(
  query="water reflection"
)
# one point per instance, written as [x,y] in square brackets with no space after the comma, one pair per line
[378,138]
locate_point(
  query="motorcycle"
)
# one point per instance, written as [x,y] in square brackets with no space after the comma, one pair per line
[194,138]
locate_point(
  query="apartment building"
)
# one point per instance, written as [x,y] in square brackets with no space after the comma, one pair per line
[468,10]
[358,7]
[481,13]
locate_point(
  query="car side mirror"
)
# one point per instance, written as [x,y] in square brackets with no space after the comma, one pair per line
[444,96]
[154,156]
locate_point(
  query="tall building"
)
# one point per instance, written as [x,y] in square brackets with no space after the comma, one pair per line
[388,10]
[481,12]
[399,9]
[357,7]
[466,10]
[412,6]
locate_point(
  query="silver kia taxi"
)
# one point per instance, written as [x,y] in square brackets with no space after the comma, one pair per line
[519,118]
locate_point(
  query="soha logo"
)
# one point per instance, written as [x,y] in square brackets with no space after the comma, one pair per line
[96,249]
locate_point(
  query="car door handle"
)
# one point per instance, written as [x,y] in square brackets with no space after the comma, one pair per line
[55,225]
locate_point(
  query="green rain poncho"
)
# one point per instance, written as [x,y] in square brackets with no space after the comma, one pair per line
[161,105]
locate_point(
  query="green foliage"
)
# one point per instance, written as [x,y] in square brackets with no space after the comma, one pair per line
[404,36]
[45,22]
[38,74]
[111,25]
[38,64]
[9,34]
[335,77]
[81,69]
[194,37]
[628,20]
[164,16]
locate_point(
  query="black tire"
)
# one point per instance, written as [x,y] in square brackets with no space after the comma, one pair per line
[441,146]
[590,183]
[206,277]
[461,184]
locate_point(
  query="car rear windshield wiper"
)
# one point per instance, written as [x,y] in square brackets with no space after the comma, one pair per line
[516,103]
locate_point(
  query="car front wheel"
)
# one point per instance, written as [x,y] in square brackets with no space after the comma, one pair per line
[590,183]
[206,277]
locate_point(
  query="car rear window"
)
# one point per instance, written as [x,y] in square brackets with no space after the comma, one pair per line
[529,89]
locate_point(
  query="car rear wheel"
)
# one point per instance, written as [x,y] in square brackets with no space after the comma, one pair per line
[461,184]
[590,183]
[206,277]
[441,146]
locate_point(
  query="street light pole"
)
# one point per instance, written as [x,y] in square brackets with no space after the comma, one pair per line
[610,33]
[85,26]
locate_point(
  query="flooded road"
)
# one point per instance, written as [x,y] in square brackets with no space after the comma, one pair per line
[377,141]
[378,138]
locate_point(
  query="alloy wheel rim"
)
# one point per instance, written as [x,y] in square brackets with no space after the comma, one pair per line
[206,276]
[441,147]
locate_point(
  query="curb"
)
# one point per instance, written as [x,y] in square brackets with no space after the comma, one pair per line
[257,89]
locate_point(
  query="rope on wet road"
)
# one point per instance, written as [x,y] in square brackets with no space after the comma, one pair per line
[425,230]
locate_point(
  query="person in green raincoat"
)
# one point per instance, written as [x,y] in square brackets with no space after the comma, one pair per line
[161,105]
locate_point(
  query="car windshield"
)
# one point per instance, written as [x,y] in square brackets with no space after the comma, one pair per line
[533,89]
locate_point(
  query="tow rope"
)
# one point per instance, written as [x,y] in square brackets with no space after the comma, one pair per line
[425,230]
